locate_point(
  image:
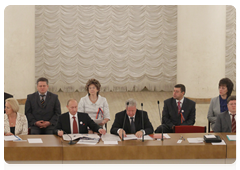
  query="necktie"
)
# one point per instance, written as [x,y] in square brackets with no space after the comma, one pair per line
[75,129]
[42,100]
[233,123]
[179,107]
[133,130]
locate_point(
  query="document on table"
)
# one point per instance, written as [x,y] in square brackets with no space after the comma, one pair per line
[219,143]
[110,137]
[231,137]
[68,137]
[146,137]
[110,142]
[35,140]
[159,136]
[130,137]
[195,140]
[88,141]
[12,138]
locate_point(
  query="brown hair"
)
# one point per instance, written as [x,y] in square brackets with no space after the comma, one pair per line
[231,98]
[181,86]
[228,83]
[42,79]
[95,83]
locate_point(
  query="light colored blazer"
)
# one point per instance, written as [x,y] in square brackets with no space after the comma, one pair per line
[223,123]
[21,127]
[214,110]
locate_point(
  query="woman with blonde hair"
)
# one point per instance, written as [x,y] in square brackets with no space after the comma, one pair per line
[14,122]
[94,104]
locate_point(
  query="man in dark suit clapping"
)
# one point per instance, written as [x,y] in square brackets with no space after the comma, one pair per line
[177,110]
[42,109]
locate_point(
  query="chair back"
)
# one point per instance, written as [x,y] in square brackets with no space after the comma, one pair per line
[190,129]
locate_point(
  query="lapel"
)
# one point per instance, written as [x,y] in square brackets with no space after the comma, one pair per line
[17,124]
[68,123]
[228,120]
[37,97]
[127,126]
[47,99]
[174,106]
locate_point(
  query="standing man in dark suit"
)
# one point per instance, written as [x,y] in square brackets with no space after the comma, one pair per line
[129,121]
[42,109]
[75,122]
[177,110]
[226,121]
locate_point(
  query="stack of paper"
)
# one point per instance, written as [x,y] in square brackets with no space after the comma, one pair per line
[219,143]
[12,138]
[110,139]
[130,137]
[195,140]
[91,141]
[146,137]
[231,137]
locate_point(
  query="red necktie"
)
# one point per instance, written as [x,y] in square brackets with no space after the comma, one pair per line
[75,129]
[233,123]
[179,107]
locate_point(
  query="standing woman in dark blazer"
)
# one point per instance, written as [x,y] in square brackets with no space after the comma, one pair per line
[219,104]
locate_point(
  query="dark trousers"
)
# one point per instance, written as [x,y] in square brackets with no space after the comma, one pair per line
[41,131]
[165,129]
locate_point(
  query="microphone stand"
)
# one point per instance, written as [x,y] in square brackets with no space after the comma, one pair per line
[71,141]
[124,122]
[142,123]
[160,119]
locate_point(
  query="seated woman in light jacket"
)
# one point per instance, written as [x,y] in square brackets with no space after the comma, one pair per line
[219,104]
[14,122]
[94,104]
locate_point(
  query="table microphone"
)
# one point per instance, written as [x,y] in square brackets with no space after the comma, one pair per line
[71,141]
[124,121]
[142,123]
[160,118]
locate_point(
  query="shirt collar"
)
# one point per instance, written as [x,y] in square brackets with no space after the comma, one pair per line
[180,100]
[41,94]
[71,116]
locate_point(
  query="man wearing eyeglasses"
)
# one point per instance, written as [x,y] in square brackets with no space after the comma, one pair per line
[226,121]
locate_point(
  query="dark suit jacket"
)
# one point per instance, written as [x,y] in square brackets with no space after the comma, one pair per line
[86,121]
[50,112]
[171,116]
[223,123]
[119,118]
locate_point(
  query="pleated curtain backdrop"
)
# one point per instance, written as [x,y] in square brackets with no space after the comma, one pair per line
[126,48]
[230,69]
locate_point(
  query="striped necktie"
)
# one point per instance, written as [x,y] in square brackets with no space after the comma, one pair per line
[233,123]
[42,100]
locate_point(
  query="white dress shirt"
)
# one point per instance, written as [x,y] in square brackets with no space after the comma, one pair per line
[86,106]
[180,101]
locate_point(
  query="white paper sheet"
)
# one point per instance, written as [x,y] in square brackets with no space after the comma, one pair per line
[12,138]
[110,137]
[210,136]
[195,140]
[219,143]
[110,142]
[146,137]
[130,137]
[231,137]
[35,140]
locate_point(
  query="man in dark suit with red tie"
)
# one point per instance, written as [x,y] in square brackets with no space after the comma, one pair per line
[74,122]
[42,109]
[226,121]
[177,110]
[130,121]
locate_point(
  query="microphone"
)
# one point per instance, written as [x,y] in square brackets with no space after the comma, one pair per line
[142,123]
[71,141]
[160,118]
[124,121]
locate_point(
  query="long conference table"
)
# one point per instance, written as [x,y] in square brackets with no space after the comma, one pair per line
[55,150]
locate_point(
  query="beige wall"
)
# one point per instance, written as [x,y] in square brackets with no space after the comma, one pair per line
[19,50]
[201,49]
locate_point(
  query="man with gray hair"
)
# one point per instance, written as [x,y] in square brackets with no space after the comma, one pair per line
[130,121]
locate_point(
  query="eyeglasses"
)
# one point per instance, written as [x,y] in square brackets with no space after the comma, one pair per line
[232,104]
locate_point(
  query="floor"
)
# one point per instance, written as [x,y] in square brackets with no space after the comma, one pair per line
[116,102]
